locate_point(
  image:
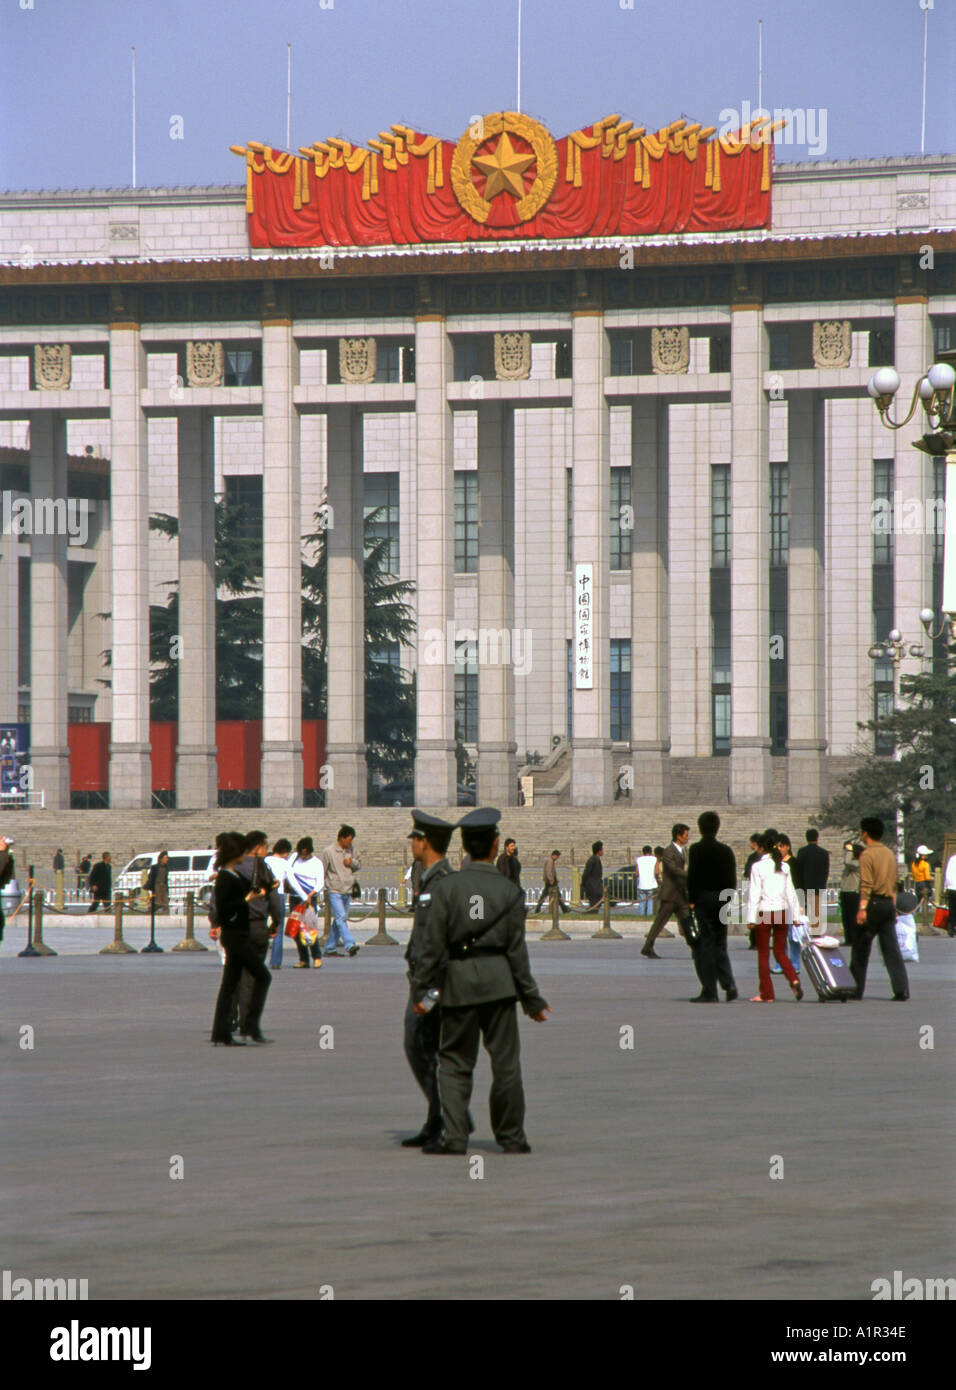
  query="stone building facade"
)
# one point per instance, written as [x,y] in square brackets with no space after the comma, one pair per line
[689,420]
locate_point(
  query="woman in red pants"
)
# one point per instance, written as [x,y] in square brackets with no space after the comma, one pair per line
[772,906]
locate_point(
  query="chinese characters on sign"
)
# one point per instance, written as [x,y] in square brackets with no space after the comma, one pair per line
[583,637]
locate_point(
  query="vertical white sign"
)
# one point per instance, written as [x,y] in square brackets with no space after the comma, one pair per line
[584,627]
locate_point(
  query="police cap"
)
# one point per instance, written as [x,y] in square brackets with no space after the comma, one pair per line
[423,821]
[481,818]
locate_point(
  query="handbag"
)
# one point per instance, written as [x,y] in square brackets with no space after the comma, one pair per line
[356,890]
[293,922]
[689,928]
[941,918]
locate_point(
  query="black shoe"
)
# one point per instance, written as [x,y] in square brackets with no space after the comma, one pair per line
[354,950]
[419,1140]
[900,998]
[437,1146]
[228,1042]
[650,953]
[516,1148]
[258,1038]
[731,995]
[704,999]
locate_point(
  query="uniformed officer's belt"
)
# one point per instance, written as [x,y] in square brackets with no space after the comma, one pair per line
[464,950]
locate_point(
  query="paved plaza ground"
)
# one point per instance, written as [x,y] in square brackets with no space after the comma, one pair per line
[651,1165]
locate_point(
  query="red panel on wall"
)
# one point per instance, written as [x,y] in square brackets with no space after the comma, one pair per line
[162,742]
[89,746]
[239,744]
[313,751]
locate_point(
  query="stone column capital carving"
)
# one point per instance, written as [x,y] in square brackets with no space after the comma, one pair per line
[670,351]
[358,358]
[832,343]
[52,366]
[512,356]
[205,364]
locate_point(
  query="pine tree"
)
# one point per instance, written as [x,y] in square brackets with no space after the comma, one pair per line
[923,780]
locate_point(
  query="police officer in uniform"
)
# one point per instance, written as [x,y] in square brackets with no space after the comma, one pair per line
[476,921]
[430,838]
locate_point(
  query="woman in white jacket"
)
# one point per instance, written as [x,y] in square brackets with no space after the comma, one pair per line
[772,905]
[305,878]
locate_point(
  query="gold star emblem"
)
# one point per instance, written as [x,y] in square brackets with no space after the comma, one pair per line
[504,169]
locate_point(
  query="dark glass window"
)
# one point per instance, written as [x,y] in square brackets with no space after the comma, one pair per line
[242,367]
[466,522]
[382,498]
[620,689]
[779,348]
[569,513]
[720,674]
[882,347]
[720,354]
[622,357]
[466,359]
[621,527]
[466,693]
[720,521]
[244,493]
[779,513]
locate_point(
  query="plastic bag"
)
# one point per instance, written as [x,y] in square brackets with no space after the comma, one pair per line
[906,936]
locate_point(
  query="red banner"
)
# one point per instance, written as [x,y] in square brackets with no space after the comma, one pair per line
[508,178]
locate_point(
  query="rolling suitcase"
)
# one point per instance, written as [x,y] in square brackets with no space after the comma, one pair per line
[827,971]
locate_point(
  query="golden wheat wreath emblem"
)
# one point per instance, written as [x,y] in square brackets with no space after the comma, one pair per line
[504,123]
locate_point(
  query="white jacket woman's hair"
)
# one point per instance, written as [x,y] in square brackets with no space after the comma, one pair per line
[771,890]
[304,876]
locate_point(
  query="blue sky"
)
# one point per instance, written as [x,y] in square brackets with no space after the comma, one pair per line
[359,65]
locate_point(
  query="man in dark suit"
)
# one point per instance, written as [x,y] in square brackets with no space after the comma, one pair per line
[711,880]
[101,884]
[430,837]
[476,921]
[672,899]
[592,880]
[509,865]
[814,873]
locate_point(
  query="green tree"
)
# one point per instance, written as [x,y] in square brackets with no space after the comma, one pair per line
[389,622]
[238,577]
[923,781]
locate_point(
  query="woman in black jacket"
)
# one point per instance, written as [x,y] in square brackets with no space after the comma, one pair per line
[232,914]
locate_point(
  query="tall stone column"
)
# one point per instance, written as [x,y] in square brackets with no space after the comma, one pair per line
[508,656]
[807,665]
[345,745]
[9,627]
[282,770]
[130,771]
[49,656]
[650,652]
[197,781]
[849,436]
[591,770]
[912,480]
[435,779]
[689,450]
[750,770]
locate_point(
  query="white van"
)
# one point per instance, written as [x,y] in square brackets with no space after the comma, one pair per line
[190,870]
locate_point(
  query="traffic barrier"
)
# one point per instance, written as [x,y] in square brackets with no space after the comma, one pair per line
[152,949]
[556,933]
[189,942]
[40,946]
[118,947]
[29,949]
[381,937]
[606,933]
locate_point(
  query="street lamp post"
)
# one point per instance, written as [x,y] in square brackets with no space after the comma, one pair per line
[936,392]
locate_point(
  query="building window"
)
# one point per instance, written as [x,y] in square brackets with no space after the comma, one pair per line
[466,693]
[382,499]
[466,356]
[779,513]
[883,512]
[466,522]
[720,671]
[242,367]
[779,662]
[622,357]
[389,655]
[882,709]
[944,337]
[940,660]
[882,347]
[720,354]
[620,689]
[779,349]
[244,498]
[720,524]
[721,730]
[395,362]
[562,358]
[621,520]
[883,608]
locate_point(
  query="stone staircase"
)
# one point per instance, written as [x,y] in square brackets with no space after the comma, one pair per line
[382,830]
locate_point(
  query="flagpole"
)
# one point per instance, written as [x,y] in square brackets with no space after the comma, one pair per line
[133,62]
[288,101]
[760,65]
[518,105]
[922,129]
